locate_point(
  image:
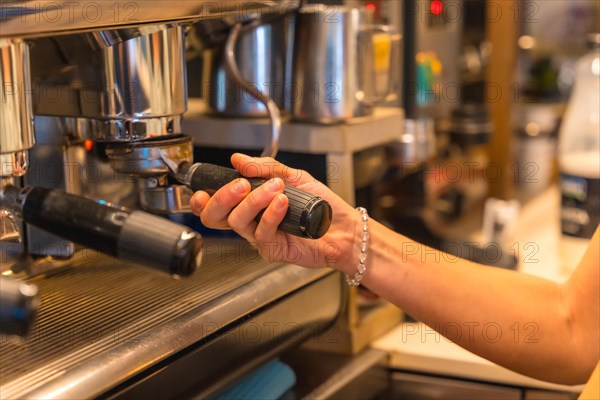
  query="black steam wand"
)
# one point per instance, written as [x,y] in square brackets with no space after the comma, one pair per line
[130,235]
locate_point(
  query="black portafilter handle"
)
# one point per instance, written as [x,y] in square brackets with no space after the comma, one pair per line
[133,236]
[308,216]
[18,306]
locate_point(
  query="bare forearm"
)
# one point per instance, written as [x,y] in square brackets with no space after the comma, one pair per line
[527,324]
[515,320]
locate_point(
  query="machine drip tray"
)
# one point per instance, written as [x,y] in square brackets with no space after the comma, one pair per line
[105,323]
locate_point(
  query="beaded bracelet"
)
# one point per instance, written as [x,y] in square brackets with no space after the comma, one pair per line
[364,246]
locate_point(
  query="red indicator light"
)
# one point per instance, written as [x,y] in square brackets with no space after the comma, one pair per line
[436,7]
[88,145]
[371,6]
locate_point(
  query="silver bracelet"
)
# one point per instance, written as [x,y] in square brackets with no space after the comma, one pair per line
[364,247]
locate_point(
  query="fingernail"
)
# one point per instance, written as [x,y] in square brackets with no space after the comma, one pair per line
[275,185]
[239,188]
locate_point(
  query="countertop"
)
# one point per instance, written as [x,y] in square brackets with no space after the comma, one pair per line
[106,321]
[416,347]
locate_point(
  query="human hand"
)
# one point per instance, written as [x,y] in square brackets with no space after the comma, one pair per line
[235,206]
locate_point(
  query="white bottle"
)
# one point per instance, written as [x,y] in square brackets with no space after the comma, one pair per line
[579,159]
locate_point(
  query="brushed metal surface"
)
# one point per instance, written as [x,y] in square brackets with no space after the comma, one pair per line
[334,76]
[251,342]
[105,320]
[135,88]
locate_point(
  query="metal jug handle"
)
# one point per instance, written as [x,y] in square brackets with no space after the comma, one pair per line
[231,67]
[394,74]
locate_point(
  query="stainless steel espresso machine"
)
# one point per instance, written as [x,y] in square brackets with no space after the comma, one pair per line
[18,300]
[93,95]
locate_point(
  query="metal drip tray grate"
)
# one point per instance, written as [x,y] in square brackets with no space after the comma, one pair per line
[103,303]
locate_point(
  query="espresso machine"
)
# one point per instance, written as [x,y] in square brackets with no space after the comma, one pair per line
[18,300]
[93,97]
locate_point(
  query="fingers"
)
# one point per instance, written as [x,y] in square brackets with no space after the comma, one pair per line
[266,231]
[267,167]
[216,209]
[198,202]
[241,218]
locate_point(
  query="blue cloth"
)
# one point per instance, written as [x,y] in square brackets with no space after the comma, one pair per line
[268,382]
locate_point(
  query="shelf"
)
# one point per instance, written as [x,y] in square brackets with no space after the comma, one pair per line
[384,126]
